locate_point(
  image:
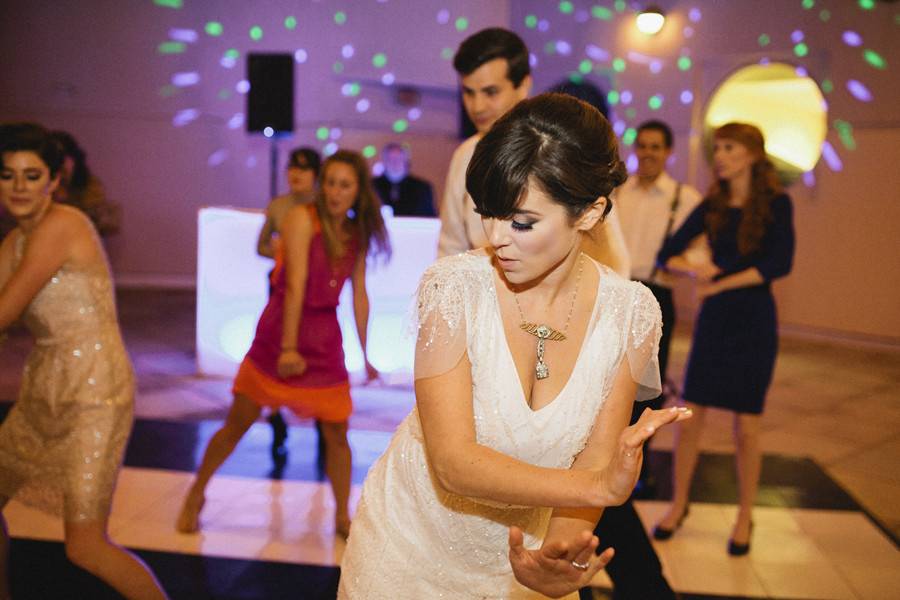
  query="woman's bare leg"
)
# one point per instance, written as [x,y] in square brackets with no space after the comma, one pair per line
[88,547]
[748,460]
[243,413]
[338,465]
[684,459]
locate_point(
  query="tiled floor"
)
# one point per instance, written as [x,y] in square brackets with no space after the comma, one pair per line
[829,501]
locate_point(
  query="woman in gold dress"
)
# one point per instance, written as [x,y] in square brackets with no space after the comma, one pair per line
[62,442]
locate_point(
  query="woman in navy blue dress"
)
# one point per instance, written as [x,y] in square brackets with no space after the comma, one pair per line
[748,223]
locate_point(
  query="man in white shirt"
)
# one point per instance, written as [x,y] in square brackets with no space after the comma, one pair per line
[652,205]
[495,74]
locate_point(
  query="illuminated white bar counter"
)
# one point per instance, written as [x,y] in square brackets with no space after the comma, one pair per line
[232,290]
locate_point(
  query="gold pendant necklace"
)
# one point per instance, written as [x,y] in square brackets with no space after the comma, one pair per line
[546,333]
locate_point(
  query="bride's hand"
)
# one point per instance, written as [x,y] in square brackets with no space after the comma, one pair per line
[556,568]
[622,473]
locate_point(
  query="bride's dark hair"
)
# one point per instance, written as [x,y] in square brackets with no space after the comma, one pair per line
[563,145]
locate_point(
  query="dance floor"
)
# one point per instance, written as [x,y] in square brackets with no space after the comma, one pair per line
[826,526]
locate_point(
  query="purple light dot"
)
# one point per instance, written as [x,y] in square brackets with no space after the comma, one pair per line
[300,56]
[362,105]
[250,162]
[824,105]
[185,79]
[764,60]
[563,47]
[831,157]
[686,97]
[183,35]
[859,91]
[626,97]
[619,127]
[347,51]
[414,114]
[335,133]
[688,31]
[236,121]
[631,163]
[801,72]
[543,25]
[217,158]
[809,179]
[596,53]
[347,89]
[183,117]
[378,169]
[242,86]
[443,16]
[851,38]
[228,62]
[695,15]
[655,66]
[532,60]
[797,36]
[388,79]
[329,149]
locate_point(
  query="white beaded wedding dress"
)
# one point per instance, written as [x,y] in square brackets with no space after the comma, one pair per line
[413,539]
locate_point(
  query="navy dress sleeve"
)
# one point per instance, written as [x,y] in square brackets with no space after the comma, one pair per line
[777,254]
[693,226]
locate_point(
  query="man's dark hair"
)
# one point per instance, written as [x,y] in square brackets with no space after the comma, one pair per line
[661,127]
[561,144]
[489,44]
[306,158]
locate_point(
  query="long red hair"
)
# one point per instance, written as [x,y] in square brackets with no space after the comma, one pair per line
[764,187]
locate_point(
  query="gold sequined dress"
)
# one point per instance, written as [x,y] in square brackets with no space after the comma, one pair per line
[62,442]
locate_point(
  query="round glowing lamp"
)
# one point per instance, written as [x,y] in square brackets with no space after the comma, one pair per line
[651,20]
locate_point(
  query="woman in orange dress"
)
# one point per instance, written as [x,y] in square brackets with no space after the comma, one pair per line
[296,360]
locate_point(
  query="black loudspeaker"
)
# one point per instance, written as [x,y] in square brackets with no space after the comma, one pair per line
[270,101]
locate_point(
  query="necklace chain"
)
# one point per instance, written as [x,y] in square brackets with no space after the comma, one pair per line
[571,304]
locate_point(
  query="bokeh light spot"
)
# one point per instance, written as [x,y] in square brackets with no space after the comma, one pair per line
[347,51]
[322,133]
[695,15]
[655,102]
[764,39]
[171,48]
[808,4]
[256,33]
[236,121]
[585,66]
[874,59]
[867,4]
[379,60]
[566,7]
[224,94]
[531,21]
[242,86]
[330,148]
[340,17]
[169,3]
[400,125]
[613,97]
[801,49]
[825,14]
[362,105]
[627,97]
[301,56]
[851,38]
[629,136]
[388,79]
[845,132]
[601,12]
[290,23]
[684,63]
[338,67]
[213,28]
[462,24]
[369,151]
[686,97]
[621,5]
[447,53]
[443,16]
[618,65]
[797,36]
[827,86]
[859,91]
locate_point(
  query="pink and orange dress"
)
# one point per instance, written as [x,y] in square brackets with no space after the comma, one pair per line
[323,390]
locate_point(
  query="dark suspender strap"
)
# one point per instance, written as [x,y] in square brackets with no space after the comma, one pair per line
[672,209]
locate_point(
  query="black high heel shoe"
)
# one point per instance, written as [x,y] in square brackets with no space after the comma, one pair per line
[279,436]
[661,533]
[735,549]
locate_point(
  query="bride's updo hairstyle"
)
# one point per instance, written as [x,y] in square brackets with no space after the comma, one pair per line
[558,143]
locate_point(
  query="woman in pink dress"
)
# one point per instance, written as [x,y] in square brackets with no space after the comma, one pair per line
[296,360]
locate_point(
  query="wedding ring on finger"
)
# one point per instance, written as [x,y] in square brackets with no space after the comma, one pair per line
[581,566]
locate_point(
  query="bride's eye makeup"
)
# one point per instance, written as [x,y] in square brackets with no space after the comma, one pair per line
[518,226]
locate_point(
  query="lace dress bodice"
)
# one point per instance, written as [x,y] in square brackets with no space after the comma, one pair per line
[413,539]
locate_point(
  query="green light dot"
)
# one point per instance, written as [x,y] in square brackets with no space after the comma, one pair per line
[808,4]
[629,136]
[655,102]
[845,132]
[531,21]
[462,24]
[550,48]
[631,113]
[874,59]
[322,133]
[612,97]
[338,67]
[827,86]
[684,63]
[601,12]
[585,66]
[224,94]
[576,78]
[825,14]
[764,39]
[354,89]
[169,3]
[447,53]
[401,125]
[256,33]
[379,60]
[290,22]
[214,28]
[340,17]
[867,4]
[168,91]
[566,7]
[232,53]
[618,65]
[369,151]
[620,5]
[897,19]
[171,48]
[801,49]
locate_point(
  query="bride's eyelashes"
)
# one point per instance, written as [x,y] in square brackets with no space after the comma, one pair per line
[528,226]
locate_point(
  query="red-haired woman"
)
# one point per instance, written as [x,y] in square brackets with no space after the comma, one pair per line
[749,225]
[296,360]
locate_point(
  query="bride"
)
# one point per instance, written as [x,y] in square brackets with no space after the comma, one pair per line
[529,357]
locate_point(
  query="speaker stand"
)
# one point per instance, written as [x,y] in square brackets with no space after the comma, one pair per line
[273,167]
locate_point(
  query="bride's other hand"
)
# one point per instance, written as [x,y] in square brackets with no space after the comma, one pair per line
[556,568]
